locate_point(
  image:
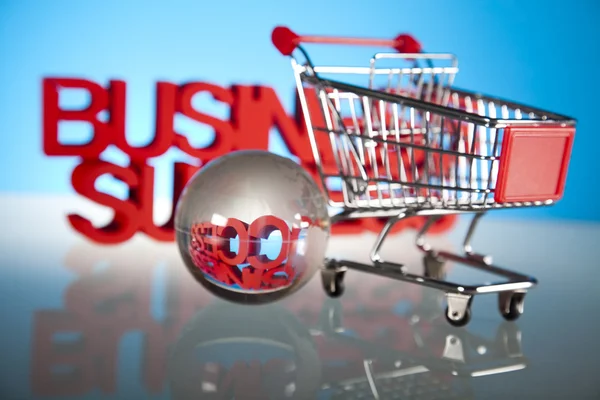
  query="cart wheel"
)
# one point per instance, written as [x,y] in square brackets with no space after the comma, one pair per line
[511,304]
[434,267]
[458,310]
[455,319]
[333,282]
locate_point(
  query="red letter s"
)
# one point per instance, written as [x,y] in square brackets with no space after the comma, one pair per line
[125,221]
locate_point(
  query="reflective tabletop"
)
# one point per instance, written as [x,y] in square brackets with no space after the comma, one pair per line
[84,321]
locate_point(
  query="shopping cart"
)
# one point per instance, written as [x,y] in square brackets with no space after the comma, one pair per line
[399,141]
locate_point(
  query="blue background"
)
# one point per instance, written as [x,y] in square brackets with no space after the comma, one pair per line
[541,53]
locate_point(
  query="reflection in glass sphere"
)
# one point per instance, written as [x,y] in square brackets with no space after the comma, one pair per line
[230,351]
[252,226]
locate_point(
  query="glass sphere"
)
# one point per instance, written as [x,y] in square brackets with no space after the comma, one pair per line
[252,226]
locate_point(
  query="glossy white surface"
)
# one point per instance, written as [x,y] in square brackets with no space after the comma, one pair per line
[88,321]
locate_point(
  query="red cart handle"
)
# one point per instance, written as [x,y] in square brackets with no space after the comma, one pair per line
[286,41]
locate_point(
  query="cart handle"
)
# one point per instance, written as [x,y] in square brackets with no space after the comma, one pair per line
[286,41]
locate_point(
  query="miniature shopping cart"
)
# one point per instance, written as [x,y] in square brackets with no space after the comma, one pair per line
[394,139]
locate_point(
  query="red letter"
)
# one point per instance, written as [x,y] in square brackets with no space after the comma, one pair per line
[250,118]
[143,196]
[124,223]
[262,228]
[273,281]
[251,280]
[52,114]
[234,228]
[165,111]
[223,142]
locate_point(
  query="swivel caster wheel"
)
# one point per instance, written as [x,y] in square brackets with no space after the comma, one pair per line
[511,304]
[458,312]
[333,281]
[458,319]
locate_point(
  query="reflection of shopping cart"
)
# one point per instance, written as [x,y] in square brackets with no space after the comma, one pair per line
[399,141]
[440,365]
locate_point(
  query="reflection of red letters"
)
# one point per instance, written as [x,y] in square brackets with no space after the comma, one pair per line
[252,279]
[46,354]
[211,252]
[261,228]
[274,281]
[227,274]
[209,236]
[100,308]
[234,228]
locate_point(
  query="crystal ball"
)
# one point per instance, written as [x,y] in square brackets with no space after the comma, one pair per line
[252,226]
